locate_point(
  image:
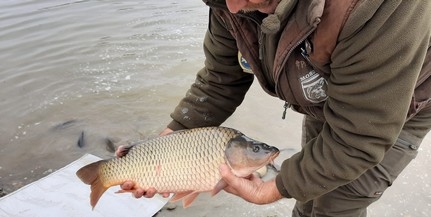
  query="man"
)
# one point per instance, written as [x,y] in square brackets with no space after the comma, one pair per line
[358,70]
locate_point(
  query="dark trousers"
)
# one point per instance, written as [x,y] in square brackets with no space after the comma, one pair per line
[352,200]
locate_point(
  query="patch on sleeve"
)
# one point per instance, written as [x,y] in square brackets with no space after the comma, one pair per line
[244,64]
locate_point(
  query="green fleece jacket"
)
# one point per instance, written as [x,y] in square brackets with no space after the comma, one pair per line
[361,67]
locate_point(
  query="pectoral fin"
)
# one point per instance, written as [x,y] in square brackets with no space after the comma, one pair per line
[180,195]
[218,187]
[188,200]
[187,196]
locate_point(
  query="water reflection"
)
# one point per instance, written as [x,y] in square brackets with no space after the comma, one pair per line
[108,68]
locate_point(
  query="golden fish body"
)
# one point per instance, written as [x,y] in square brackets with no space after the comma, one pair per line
[185,162]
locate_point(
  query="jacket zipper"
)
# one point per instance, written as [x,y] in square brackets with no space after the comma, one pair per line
[260,41]
[303,38]
[261,36]
[286,106]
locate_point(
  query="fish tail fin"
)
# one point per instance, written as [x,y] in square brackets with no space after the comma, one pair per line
[90,175]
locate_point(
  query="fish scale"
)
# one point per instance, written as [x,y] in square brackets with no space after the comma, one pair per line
[183,162]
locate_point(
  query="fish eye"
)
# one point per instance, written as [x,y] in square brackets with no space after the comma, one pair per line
[256,148]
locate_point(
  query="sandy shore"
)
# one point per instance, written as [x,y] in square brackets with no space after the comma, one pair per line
[260,117]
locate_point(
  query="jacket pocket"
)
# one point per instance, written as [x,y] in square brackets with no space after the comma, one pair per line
[377,179]
[417,105]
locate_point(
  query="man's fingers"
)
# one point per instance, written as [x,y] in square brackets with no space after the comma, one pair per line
[165,195]
[138,193]
[127,185]
[117,152]
[231,190]
[166,132]
[227,175]
[255,178]
[231,180]
[150,193]
[121,151]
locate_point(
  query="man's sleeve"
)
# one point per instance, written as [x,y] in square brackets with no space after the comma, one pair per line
[219,87]
[374,71]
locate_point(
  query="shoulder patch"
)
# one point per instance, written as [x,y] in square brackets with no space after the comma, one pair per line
[244,64]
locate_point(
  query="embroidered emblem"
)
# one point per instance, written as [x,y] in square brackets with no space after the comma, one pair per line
[313,87]
[244,64]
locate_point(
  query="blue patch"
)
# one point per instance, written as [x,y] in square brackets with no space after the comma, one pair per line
[244,64]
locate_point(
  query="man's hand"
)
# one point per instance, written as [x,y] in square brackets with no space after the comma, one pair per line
[252,189]
[166,132]
[129,186]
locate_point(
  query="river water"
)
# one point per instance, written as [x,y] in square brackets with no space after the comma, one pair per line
[110,69]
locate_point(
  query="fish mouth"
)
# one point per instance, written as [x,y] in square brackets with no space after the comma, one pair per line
[274,155]
[272,151]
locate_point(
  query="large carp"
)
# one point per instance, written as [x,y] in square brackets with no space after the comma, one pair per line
[185,162]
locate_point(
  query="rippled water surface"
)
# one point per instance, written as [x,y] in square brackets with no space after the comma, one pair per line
[110,69]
